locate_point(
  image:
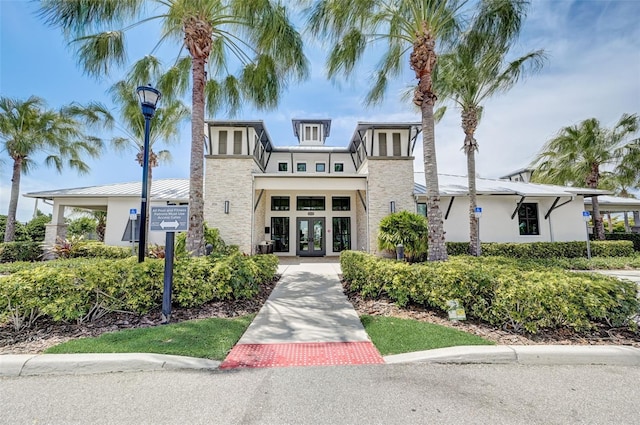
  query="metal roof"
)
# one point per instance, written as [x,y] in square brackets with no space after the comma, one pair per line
[161,190]
[451,185]
[616,203]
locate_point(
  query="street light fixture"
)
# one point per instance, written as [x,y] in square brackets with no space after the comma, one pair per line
[149,98]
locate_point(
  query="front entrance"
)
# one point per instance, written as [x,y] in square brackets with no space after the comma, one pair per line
[310,237]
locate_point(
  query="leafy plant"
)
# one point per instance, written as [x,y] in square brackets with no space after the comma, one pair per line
[408,229]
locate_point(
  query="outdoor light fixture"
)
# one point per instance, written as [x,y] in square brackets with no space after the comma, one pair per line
[226,207]
[392,206]
[149,98]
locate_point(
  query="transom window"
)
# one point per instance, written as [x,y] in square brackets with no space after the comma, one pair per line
[283,166]
[310,203]
[528,224]
[279,203]
[340,203]
[320,167]
[301,167]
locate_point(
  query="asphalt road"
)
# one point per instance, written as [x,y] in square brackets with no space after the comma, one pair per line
[384,394]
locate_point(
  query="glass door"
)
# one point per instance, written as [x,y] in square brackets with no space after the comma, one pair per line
[310,235]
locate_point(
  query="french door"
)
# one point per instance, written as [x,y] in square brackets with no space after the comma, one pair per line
[310,236]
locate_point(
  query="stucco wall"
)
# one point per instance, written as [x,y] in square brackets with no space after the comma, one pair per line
[388,180]
[230,179]
[496,225]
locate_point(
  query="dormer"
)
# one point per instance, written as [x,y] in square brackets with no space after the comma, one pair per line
[311,132]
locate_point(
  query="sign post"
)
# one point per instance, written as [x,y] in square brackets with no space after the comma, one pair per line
[133,216]
[586,216]
[478,213]
[169,220]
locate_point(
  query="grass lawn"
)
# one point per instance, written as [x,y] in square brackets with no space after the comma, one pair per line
[395,336]
[205,338]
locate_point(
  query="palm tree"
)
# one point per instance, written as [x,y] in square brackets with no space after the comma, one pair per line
[29,129]
[476,70]
[578,153]
[254,37]
[403,30]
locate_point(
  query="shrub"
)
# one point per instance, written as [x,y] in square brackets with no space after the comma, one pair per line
[634,237]
[574,249]
[84,289]
[503,292]
[20,251]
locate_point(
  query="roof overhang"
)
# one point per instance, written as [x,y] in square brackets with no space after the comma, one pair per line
[258,126]
[309,182]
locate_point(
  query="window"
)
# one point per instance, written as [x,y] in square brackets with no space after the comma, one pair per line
[320,166]
[338,167]
[397,145]
[314,129]
[341,203]
[307,133]
[222,142]
[280,233]
[301,167]
[341,233]
[382,144]
[528,219]
[422,209]
[310,203]
[283,166]
[237,142]
[279,203]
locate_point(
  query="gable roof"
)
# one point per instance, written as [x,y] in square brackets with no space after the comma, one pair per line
[161,190]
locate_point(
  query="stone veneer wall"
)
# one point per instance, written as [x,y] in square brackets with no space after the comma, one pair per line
[230,179]
[389,179]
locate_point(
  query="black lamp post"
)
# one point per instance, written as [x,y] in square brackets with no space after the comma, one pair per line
[148,100]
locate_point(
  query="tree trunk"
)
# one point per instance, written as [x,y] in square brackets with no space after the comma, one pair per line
[198,41]
[10,229]
[592,182]
[598,225]
[469,125]
[423,59]
[609,223]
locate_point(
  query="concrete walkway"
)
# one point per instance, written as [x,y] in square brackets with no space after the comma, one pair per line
[307,321]
[307,305]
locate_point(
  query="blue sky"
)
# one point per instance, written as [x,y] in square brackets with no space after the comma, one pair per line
[593,71]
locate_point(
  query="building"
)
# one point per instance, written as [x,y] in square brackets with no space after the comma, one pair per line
[313,200]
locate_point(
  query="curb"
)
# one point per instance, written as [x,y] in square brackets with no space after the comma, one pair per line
[82,364]
[556,355]
[612,355]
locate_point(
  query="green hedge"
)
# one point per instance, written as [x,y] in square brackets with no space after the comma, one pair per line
[85,289]
[20,251]
[547,249]
[633,237]
[498,290]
